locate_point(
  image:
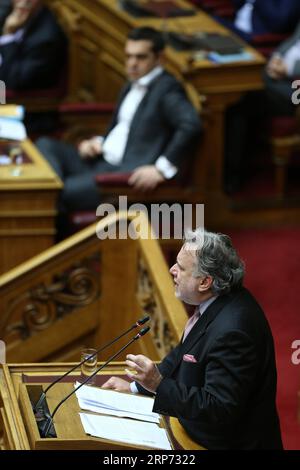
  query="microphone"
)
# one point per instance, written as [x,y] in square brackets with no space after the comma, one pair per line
[40,401]
[46,428]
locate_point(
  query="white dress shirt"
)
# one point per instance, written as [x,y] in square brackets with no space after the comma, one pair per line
[243,18]
[115,143]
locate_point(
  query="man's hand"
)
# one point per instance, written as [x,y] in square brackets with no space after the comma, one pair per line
[145,373]
[17,18]
[276,68]
[90,148]
[145,178]
[118,384]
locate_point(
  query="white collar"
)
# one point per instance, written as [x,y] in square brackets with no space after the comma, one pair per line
[147,79]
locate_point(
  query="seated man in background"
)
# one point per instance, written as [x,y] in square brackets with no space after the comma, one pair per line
[150,134]
[220,380]
[255,17]
[32,46]
[281,70]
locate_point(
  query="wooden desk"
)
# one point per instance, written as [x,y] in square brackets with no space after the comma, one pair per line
[19,430]
[27,208]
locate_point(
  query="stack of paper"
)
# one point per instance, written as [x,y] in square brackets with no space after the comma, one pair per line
[126,430]
[12,111]
[11,125]
[228,58]
[117,404]
[142,430]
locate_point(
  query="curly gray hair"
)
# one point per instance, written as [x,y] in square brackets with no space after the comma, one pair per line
[216,257]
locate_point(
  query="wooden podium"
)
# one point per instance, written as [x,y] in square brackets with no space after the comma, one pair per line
[21,385]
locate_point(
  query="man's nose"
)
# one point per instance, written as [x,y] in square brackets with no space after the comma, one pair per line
[132,61]
[173,270]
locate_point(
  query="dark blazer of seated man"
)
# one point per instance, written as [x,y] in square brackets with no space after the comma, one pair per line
[5,7]
[32,46]
[151,131]
[276,99]
[281,70]
[255,17]
[220,381]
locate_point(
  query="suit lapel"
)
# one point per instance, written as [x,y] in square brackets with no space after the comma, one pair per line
[137,118]
[290,42]
[200,327]
[122,95]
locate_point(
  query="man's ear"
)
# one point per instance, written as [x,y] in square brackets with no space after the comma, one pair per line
[205,283]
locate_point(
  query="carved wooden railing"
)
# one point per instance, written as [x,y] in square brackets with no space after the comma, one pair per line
[85,291]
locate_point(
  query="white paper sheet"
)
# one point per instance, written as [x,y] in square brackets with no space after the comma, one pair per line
[126,430]
[117,404]
[12,129]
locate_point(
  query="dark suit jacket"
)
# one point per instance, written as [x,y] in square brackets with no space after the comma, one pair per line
[5,8]
[37,60]
[279,92]
[273,16]
[290,42]
[226,400]
[165,123]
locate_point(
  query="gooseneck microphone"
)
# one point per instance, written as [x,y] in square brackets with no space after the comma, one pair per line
[49,421]
[139,322]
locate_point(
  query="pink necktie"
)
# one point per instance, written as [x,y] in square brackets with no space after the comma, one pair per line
[190,323]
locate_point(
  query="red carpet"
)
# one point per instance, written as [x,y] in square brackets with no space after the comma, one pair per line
[272,260]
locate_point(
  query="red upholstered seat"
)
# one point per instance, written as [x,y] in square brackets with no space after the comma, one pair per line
[266,43]
[213,5]
[114,184]
[45,99]
[113,179]
[86,108]
[18,96]
[283,126]
[110,183]
[271,39]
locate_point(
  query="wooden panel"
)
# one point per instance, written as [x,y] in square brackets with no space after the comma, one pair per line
[85,292]
[22,427]
[27,208]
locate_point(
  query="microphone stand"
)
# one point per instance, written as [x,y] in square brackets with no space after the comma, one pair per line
[37,406]
[49,421]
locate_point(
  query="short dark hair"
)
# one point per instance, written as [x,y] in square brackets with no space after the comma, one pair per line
[146,33]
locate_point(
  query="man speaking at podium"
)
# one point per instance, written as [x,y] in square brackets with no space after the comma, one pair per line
[220,381]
